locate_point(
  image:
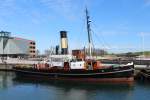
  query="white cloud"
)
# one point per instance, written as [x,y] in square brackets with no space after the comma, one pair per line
[114,33]
[144,34]
[67,8]
[10,9]
[147,2]
[110,32]
[6,5]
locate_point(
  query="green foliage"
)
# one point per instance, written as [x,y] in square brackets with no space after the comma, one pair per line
[132,54]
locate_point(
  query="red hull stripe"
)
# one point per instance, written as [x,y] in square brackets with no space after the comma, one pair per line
[131,79]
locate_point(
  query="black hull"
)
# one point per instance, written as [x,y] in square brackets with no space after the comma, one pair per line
[120,74]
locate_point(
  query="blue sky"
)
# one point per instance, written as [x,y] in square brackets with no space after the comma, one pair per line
[117,25]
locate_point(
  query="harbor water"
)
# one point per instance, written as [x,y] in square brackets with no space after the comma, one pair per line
[12,88]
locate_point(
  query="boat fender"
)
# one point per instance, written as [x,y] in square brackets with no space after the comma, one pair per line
[34,65]
[38,65]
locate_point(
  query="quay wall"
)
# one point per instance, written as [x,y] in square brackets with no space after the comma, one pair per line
[9,63]
[4,67]
[136,62]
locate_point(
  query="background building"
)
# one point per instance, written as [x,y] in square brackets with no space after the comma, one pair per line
[16,47]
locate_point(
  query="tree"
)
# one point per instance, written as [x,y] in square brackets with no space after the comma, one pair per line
[47,52]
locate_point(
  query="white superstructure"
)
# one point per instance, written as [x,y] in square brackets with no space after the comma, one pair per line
[58,60]
[77,65]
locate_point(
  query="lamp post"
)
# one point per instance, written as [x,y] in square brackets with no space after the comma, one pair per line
[142,35]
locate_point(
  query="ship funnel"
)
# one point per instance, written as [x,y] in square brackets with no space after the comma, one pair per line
[64,42]
[57,49]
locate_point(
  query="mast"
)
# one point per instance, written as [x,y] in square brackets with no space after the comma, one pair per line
[89,33]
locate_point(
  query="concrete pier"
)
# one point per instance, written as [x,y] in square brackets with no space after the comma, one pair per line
[6,65]
[117,61]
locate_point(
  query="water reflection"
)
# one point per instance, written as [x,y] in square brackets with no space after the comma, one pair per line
[6,79]
[80,91]
[66,85]
[12,87]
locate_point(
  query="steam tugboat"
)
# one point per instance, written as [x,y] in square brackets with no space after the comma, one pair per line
[77,66]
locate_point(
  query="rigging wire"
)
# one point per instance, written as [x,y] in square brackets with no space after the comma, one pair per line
[102,39]
[110,47]
[99,40]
